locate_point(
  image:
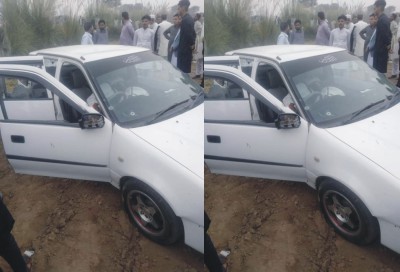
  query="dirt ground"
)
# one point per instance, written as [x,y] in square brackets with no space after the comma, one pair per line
[81,226]
[277,226]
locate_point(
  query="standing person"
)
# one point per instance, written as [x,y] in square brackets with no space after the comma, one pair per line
[171,32]
[283,37]
[162,41]
[367,32]
[9,249]
[187,38]
[101,35]
[156,34]
[340,36]
[349,23]
[297,35]
[198,51]
[144,36]
[358,45]
[127,31]
[398,35]
[383,38]
[87,36]
[152,22]
[323,32]
[394,56]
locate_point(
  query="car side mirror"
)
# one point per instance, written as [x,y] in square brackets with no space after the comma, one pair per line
[91,120]
[287,120]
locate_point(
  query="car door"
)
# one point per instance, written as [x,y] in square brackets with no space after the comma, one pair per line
[238,142]
[36,141]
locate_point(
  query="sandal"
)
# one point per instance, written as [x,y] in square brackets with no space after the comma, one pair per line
[28,259]
[223,254]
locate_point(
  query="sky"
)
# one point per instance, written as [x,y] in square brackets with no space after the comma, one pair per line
[367,3]
[199,3]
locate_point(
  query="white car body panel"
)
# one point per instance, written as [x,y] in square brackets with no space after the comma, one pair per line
[128,162]
[167,155]
[362,155]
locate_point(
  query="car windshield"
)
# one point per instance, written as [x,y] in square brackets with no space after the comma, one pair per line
[338,88]
[143,88]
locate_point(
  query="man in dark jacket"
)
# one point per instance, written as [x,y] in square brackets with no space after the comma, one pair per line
[383,37]
[187,37]
[171,32]
[367,32]
[398,80]
[9,249]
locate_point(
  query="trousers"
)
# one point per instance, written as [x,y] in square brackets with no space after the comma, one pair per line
[9,250]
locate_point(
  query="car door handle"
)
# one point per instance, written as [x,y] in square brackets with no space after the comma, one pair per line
[17,139]
[213,139]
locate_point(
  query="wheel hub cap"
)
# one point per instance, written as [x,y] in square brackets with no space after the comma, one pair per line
[145,214]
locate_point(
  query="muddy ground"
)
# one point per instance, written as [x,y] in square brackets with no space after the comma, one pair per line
[277,226]
[81,226]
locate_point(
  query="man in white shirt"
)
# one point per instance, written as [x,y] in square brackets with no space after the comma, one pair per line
[358,46]
[152,22]
[87,36]
[283,37]
[144,36]
[349,23]
[162,42]
[340,37]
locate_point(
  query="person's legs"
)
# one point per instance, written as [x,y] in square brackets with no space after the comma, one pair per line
[398,81]
[211,258]
[9,250]
[199,67]
[395,68]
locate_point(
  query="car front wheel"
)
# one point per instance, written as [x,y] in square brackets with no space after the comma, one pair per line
[151,213]
[347,213]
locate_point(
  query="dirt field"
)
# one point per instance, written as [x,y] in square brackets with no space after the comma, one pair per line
[277,226]
[81,226]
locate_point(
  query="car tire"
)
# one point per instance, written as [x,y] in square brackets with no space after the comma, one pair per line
[150,213]
[347,214]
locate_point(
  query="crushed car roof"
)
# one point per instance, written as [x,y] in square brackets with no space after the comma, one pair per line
[284,53]
[87,53]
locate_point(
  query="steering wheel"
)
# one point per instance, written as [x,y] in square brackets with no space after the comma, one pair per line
[117,98]
[313,99]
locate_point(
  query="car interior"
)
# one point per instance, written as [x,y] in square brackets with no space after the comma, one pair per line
[74,79]
[270,79]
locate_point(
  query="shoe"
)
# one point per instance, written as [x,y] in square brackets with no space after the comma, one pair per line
[196,76]
[393,76]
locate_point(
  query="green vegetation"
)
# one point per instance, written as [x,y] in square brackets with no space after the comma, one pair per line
[233,24]
[31,25]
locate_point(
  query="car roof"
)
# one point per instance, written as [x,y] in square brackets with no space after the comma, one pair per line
[88,53]
[284,53]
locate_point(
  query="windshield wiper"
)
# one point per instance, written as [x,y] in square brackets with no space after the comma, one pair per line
[392,96]
[160,113]
[357,113]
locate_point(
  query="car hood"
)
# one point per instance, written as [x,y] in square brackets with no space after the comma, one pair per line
[376,137]
[180,137]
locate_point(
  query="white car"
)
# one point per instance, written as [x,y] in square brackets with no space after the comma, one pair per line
[115,114]
[310,114]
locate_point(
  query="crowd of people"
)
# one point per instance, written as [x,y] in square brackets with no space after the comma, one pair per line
[179,42]
[376,42]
